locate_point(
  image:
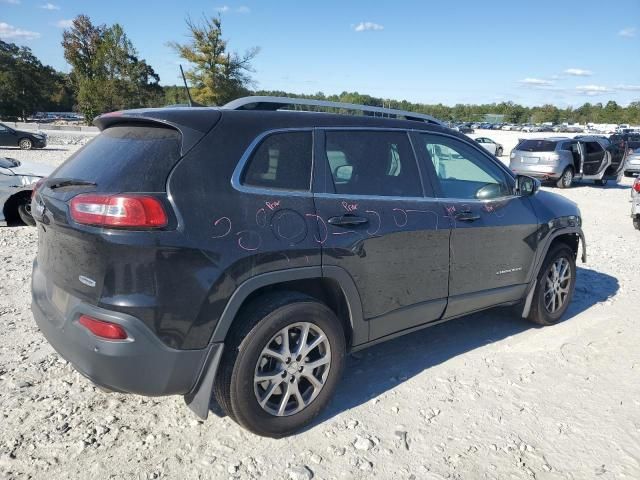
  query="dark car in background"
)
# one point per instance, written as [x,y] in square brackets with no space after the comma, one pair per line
[10,137]
[240,252]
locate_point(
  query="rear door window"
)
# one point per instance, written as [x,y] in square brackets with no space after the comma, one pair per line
[282,161]
[593,147]
[536,146]
[372,163]
[125,159]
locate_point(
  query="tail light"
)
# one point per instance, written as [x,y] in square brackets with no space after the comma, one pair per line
[102,329]
[118,211]
[636,185]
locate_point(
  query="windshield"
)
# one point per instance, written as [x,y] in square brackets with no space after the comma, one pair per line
[8,163]
[536,146]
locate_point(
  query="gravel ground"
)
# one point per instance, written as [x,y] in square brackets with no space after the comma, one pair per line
[486,396]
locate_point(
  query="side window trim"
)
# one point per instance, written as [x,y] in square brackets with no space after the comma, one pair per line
[324,185]
[236,177]
[430,168]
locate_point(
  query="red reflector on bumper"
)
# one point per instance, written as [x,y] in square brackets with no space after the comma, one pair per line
[102,329]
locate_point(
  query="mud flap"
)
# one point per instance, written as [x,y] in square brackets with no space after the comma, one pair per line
[199,398]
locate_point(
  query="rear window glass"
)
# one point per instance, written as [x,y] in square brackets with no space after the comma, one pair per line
[125,159]
[536,146]
[282,161]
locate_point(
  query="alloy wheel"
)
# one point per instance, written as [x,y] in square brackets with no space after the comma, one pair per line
[25,144]
[567,178]
[557,284]
[292,369]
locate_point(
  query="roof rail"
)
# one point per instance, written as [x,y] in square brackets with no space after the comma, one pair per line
[277,103]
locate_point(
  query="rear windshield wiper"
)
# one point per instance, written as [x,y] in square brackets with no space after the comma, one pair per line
[70,182]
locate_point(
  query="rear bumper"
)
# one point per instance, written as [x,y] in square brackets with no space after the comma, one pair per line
[537,170]
[142,364]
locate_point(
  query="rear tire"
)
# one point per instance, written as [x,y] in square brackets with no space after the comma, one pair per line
[636,222]
[277,407]
[553,293]
[566,179]
[25,144]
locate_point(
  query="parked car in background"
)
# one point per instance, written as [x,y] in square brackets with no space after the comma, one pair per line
[563,159]
[10,137]
[635,203]
[632,163]
[464,128]
[491,146]
[545,128]
[17,181]
[162,270]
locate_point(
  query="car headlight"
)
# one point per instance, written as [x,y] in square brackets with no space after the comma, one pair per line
[29,180]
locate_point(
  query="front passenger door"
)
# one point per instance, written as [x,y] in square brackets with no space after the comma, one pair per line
[493,237]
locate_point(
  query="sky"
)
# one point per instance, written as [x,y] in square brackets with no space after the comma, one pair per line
[564,52]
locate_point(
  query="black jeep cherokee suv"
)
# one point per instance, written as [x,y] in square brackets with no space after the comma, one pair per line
[242,253]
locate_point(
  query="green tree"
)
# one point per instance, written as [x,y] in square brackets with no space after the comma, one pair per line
[216,74]
[106,72]
[27,86]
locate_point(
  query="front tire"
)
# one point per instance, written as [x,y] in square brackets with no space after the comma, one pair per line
[24,212]
[25,144]
[282,363]
[636,222]
[554,287]
[566,179]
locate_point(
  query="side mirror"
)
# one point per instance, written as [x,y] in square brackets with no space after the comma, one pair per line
[344,172]
[526,186]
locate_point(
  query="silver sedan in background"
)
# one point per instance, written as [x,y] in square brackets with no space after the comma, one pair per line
[17,181]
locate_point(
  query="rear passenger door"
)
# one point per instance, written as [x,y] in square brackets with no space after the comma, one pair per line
[594,157]
[378,220]
[493,238]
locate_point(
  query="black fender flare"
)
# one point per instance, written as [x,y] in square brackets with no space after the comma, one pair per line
[199,397]
[540,260]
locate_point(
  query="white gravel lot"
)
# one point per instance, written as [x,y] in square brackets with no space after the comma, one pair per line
[486,396]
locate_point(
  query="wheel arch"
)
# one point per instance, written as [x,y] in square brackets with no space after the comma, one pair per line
[10,206]
[573,237]
[330,285]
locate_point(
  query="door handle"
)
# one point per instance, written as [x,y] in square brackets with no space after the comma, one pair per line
[467,216]
[347,220]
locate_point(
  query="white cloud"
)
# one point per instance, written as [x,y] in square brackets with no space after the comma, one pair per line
[629,88]
[368,26]
[536,82]
[578,72]
[593,89]
[228,9]
[9,32]
[64,23]
[628,32]
[49,6]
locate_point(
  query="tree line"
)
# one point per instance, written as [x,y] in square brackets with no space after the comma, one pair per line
[108,74]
